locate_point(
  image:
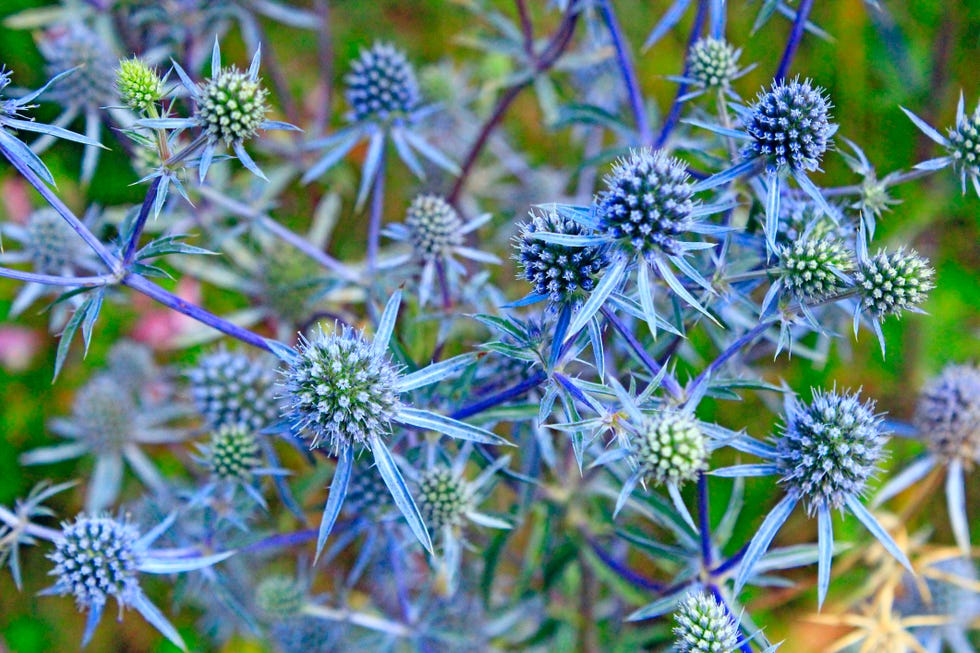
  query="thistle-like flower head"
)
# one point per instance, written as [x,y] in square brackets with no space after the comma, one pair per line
[52,245]
[233,454]
[702,625]
[280,597]
[892,282]
[92,84]
[647,203]
[95,558]
[367,494]
[232,389]
[713,63]
[381,84]
[231,106]
[444,498]
[106,414]
[947,413]
[790,126]
[435,227]
[829,448]
[138,84]
[814,269]
[964,144]
[340,389]
[564,274]
[670,447]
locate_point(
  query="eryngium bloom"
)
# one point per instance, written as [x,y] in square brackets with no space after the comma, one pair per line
[892,282]
[280,597]
[964,146]
[647,202]
[435,227]
[444,498]
[341,390]
[381,84]
[138,84]
[53,246]
[830,448]
[232,389]
[704,626]
[92,84]
[231,106]
[713,63]
[790,126]
[948,414]
[814,269]
[233,454]
[563,274]
[670,447]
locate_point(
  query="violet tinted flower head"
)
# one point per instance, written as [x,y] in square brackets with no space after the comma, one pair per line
[444,498]
[670,447]
[563,274]
[381,84]
[647,203]
[234,389]
[713,63]
[815,269]
[892,282]
[947,414]
[790,126]
[829,448]
[703,625]
[341,390]
[434,226]
[92,84]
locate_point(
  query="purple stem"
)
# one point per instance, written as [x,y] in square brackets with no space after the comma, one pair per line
[374,226]
[795,36]
[745,647]
[622,570]
[730,564]
[704,520]
[675,109]
[171,300]
[134,237]
[51,280]
[628,71]
[533,381]
[669,382]
[281,540]
[733,349]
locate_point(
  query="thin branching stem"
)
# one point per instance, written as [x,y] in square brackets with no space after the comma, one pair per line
[795,37]
[628,71]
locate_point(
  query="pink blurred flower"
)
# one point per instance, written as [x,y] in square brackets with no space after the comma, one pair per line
[18,347]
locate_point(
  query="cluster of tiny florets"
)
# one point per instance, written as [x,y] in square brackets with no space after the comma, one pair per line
[947,414]
[444,498]
[892,282]
[815,269]
[830,448]
[92,84]
[951,596]
[712,63]
[434,226]
[367,493]
[704,626]
[670,447]
[647,202]
[964,143]
[800,216]
[232,389]
[233,453]
[138,84]
[280,597]
[339,390]
[96,558]
[565,274]
[132,364]
[52,244]
[790,126]
[231,106]
[105,412]
[381,84]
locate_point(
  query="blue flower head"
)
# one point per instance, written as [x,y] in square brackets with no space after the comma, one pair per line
[92,84]
[815,269]
[947,414]
[790,126]
[381,84]
[670,447]
[233,389]
[964,145]
[231,106]
[703,625]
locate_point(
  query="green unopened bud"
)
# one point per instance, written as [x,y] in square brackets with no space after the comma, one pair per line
[139,85]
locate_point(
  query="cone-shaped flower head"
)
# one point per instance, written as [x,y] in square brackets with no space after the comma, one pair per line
[52,244]
[670,447]
[712,63]
[647,202]
[790,126]
[232,389]
[92,84]
[704,626]
[815,268]
[964,143]
[233,453]
[434,226]
[280,597]
[106,413]
[564,274]
[829,448]
[231,106]
[381,84]
[892,282]
[948,413]
[139,85]
[367,493]
[444,498]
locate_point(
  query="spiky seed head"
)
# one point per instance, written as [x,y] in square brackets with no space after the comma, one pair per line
[670,447]
[434,226]
[381,84]
[814,269]
[647,202]
[964,143]
[231,106]
[280,597]
[95,558]
[444,499]
[829,448]
[713,63]
[52,244]
[947,414]
[565,274]
[132,364]
[892,282]
[233,453]
[138,84]
[799,216]
[339,390]
[232,389]
[702,625]
[93,83]
[105,414]
[367,493]
[790,126]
